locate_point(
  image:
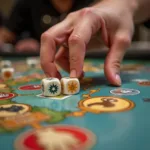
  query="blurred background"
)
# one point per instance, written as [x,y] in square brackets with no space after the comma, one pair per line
[16,36]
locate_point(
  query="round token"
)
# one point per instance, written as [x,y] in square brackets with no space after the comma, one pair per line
[4,96]
[144,83]
[29,140]
[9,110]
[30,87]
[140,80]
[124,91]
[105,104]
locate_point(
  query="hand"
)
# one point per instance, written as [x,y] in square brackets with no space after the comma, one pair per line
[27,45]
[115,20]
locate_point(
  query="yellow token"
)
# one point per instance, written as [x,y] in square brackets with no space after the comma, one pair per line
[105,104]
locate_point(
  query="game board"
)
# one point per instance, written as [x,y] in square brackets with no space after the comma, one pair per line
[100,117]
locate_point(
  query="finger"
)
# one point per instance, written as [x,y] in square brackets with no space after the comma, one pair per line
[77,47]
[62,59]
[49,41]
[114,58]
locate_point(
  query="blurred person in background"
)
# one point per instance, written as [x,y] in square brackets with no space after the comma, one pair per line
[1,24]
[1,19]
[30,18]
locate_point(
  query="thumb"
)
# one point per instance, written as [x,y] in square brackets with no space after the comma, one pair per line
[114,58]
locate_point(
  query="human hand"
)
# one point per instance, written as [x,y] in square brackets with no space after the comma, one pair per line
[115,20]
[27,45]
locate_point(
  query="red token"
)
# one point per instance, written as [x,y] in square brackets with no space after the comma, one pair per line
[30,87]
[28,140]
[4,96]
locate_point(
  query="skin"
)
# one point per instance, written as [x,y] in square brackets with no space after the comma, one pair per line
[114,18]
[116,33]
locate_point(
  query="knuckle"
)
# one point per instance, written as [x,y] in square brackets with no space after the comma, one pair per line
[74,39]
[86,11]
[83,12]
[116,64]
[45,36]
[125,40]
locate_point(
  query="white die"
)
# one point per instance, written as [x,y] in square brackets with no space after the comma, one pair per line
[51,87]
[7,73]
[70,86]
[32,62]
[6,64]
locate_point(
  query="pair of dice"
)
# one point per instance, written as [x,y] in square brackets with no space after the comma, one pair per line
[55,87]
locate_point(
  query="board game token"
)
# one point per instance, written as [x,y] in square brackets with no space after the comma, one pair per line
[124,91]
[83,138]
[105,104]
[8,110]
[144,83]
[139,80]
[30,87]
[59,140]
[5,96]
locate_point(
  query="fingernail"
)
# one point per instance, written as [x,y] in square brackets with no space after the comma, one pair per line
[118,79]
[73,73]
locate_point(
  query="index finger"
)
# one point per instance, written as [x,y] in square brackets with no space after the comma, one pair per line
[49,42]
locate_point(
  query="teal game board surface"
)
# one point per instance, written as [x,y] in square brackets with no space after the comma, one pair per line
[100,117]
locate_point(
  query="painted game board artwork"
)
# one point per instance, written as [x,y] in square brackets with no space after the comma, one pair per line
[99,117]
